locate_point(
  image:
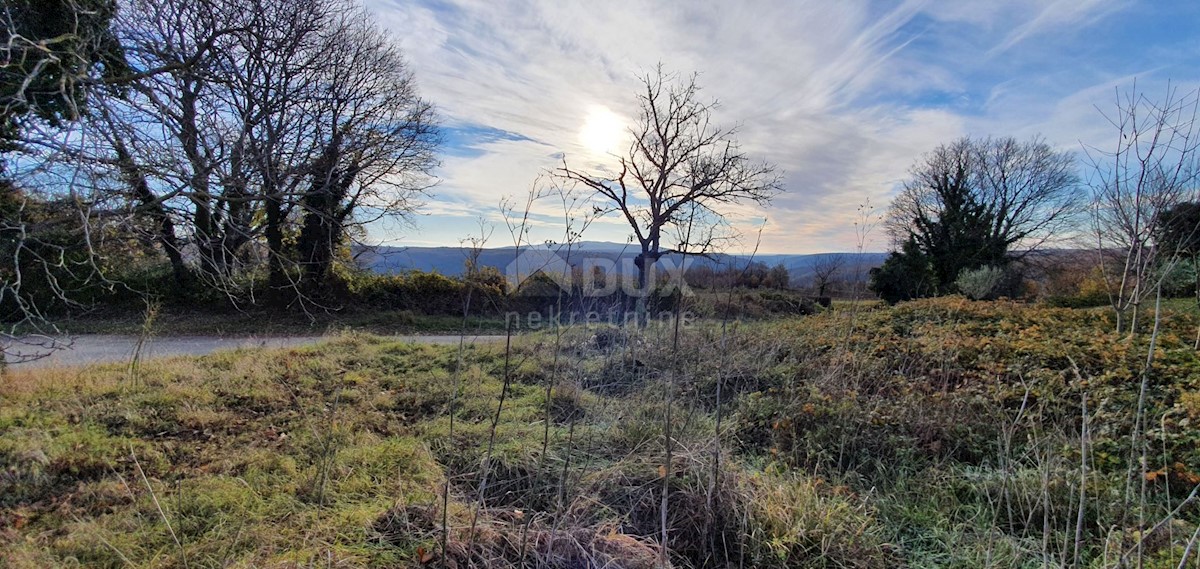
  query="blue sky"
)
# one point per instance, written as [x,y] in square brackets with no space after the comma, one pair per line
[842,95]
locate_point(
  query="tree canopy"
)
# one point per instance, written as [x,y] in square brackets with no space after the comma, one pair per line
[679,172]
[975,203]
[1179,229]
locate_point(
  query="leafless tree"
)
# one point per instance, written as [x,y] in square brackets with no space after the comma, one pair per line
[1028,190]
[378,140]
[678,167]
[826,270]
[229,126]
[1151,168]
[305,121]
[174,136]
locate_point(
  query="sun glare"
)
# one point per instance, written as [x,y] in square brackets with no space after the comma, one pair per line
[603,131]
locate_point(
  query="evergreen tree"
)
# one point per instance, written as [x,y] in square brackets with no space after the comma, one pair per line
[905,275]
[950,230]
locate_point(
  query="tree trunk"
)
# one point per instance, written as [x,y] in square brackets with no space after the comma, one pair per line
[155,210]
[206,217]
[321,233]
[316,245]
[277,280]
[236,231]
[640,301]
[644,263]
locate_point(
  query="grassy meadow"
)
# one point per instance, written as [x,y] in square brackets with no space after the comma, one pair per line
[936,433]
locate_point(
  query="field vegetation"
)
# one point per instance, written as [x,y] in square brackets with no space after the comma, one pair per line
[1016,386]
[935,433]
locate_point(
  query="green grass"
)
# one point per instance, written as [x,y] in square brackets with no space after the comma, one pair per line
[939,433]
[261,458]
[1182,306]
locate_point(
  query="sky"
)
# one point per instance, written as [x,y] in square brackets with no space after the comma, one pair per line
[842,96]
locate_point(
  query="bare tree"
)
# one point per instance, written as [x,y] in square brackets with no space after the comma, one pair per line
[826,270]
[678,167]
[1150,170]
[176,131]
[305,121]
[1028,191]
[226,127]
[1031,191]
[52,54]
[378,140]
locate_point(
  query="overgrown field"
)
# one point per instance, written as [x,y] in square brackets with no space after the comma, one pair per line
[938,433]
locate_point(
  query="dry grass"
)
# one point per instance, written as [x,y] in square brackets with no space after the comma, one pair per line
[939,433]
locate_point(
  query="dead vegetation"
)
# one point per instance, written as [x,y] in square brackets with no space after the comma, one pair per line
[939,433]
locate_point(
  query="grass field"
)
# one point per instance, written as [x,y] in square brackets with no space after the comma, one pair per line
[172,320]
[939,433]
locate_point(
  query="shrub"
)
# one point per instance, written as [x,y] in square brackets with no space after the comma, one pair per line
[797,521]
[1086,291]
[984,283]
[1181,280]
[905,275]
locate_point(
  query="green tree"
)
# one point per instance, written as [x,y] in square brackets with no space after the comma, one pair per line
[905,275]
[957,237]
[1179,230]
[945,225]
[1178,236]
[982,202]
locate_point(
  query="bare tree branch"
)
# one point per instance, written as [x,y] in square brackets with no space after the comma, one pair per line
[678,165]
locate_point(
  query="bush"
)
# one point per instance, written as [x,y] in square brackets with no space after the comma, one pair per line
[986,283]
[1086,291]
[905,275]
[1181,280]
[981,283]
[426,293]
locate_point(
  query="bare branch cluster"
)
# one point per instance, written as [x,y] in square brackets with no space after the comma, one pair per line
[1151,169]
[1028,191]
[679,172]
[238,139]
[299,118]
[826,271]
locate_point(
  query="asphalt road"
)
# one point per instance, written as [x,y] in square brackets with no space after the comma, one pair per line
[105,348]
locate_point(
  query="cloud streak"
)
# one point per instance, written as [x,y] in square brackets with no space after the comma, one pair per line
[842,96]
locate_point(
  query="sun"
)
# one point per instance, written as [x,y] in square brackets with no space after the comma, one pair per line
[603,131]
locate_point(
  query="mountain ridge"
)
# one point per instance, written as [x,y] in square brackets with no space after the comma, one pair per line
[451,260]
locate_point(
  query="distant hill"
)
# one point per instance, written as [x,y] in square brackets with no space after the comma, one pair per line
[450,260]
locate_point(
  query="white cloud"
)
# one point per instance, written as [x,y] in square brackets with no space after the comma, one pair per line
[1057,16]
[841,96]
